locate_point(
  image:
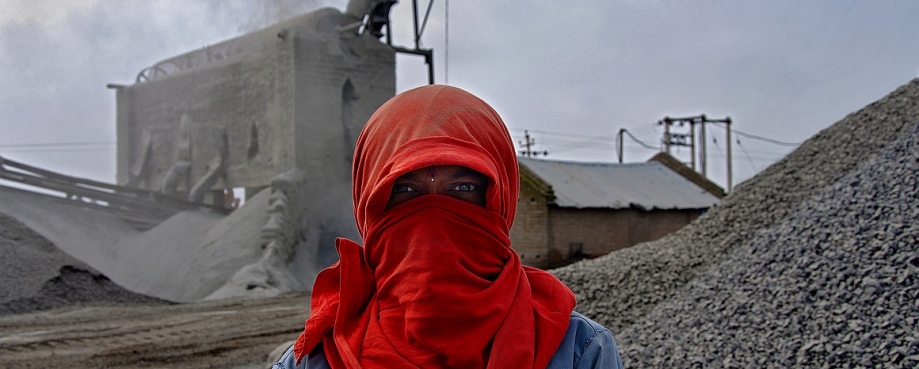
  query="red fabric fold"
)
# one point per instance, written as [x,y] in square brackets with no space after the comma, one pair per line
[436,284]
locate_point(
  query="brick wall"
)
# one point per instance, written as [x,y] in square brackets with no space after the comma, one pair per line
[547,236]
[529,234]
[595,232]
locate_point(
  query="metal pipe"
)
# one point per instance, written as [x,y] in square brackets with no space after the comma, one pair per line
[415,15]
[428,58]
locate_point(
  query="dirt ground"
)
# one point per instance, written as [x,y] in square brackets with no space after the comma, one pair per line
[226,334]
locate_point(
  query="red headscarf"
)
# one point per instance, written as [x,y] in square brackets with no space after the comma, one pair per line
[437,284]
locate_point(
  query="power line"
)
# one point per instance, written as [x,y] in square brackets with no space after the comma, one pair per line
[562,145]
[766,139]
[591,141]
[747,155]
[579,145]
[753,157]
[555,142]
[584,139]
[562,134]
[649,147]
[528,151]
[620,145]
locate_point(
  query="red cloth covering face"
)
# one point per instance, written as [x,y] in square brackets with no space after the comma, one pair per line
[436,284]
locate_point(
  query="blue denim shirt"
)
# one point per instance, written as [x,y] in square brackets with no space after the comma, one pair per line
[587,344]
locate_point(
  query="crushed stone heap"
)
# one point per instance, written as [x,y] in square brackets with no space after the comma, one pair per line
[621,288]
[834,284]
[35,275]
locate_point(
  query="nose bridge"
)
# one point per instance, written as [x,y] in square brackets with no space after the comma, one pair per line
[431,186]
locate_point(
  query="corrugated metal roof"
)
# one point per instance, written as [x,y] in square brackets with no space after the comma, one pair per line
[649,185]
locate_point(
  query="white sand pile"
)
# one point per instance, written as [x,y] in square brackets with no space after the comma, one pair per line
[186,258]
[35,275]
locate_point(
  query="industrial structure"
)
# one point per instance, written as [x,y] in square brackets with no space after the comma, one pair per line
[276,110]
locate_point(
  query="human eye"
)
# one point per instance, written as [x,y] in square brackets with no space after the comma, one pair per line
[465,187]
[402,188]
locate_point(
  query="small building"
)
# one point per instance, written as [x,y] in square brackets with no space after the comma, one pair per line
[571,210]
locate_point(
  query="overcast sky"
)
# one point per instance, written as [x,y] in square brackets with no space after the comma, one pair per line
[571,73]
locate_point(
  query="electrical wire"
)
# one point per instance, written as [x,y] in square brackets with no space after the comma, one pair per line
[714,141]
[649,147]
[747,155]
[553,133]
[583,139]
[565,142]
[555,142]
[764,139]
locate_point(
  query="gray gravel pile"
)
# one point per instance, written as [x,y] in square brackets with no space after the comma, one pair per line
[835,284]
[27,260]
[74,287]
[36,275]
[620,288]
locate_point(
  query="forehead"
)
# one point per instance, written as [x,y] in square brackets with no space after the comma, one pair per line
[443,171]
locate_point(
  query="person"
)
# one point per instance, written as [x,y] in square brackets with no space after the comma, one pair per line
[436,283]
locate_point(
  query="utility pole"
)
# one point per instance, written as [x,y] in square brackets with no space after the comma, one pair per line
[727,134]
[667,123]
[528,144]
[674,139]
[727,130]
[692,146]
[704,155]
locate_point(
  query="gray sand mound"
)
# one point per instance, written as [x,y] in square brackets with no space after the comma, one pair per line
[36,275]
[27,260]
[183,259]
[77,287]
[189,257]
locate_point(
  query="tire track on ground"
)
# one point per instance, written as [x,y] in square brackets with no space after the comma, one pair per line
[229,333]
